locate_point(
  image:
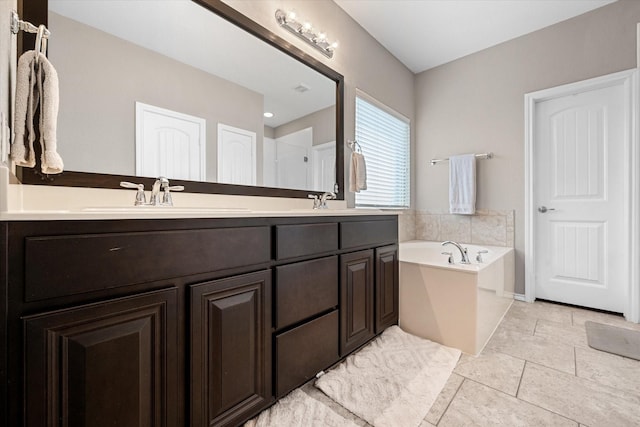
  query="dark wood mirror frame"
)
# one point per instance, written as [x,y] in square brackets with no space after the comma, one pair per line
[36,12]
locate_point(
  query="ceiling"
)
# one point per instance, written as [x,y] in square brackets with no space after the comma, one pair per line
[423,34]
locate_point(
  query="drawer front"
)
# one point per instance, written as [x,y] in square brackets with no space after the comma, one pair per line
[67,265]
[294,241]
[305,289]
[368,233]
[304,351]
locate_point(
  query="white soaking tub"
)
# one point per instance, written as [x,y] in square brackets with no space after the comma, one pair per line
[458,305]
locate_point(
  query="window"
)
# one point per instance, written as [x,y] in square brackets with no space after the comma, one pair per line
[384,137]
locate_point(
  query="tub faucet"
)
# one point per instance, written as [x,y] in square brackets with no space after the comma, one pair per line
[463,252]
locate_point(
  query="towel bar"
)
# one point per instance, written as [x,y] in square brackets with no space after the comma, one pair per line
[488,155]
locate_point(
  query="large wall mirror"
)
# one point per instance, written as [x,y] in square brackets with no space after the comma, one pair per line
[191,90]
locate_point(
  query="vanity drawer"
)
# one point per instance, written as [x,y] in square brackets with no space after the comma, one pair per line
[305,289]
[294,241]
[74,264]
[306,350]
[368,233]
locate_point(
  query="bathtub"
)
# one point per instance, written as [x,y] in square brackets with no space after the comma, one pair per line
[456,305]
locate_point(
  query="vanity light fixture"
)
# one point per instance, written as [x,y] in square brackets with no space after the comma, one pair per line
[305,31]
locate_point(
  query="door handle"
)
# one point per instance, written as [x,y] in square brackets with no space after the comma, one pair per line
[543,209]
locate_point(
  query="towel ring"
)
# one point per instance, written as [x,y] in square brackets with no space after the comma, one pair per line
[41,41]
[353,144]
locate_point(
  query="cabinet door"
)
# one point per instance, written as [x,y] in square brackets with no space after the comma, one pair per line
[230,349]
[105,364]
[356,300]
[386,287]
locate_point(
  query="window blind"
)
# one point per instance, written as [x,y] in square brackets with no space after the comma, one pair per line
[384,139]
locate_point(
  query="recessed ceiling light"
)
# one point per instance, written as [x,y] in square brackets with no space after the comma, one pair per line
[268,115]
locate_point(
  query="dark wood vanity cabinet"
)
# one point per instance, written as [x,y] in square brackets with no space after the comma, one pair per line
[386,287]
[124,349]
[174,322]
[357,295]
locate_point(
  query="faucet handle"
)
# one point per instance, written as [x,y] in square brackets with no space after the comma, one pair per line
[166,196]
[141,199]
[479,255]
[316,201]
[450,254]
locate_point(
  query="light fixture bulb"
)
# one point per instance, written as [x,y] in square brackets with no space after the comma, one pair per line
[268,114]
[334,45]
[322,36]
[291,15]
[307,26]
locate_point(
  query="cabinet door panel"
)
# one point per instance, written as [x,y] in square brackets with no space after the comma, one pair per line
[105,364]
[303,351]
[305,289]
[230,348]
[356,300]
[386,287]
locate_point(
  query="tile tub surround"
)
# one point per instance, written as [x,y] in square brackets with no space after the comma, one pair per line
[486,227]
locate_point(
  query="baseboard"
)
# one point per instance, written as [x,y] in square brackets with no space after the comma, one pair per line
[519,297]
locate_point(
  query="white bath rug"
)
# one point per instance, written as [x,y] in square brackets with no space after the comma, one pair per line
[298,409]
[393,381]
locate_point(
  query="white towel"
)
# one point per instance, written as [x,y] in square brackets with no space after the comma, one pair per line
[23,134]
[36,86]
[358,177]
[462,184]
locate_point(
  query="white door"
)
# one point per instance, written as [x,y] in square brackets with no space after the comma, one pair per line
[581,147]
[293,160]
[269,163]
[236,155]
[169,144]
[324,166]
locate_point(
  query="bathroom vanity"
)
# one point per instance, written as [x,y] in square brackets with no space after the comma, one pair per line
[192,321]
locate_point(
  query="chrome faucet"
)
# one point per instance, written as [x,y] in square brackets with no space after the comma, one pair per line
[321,202]
[160,184]
[329,195]
[463,251]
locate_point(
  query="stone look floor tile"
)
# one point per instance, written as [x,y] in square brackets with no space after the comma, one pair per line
[496,370]
[444,399]
[608,369]
[426,424]
[534,349]
[566,334]
[581,316]
[518,322]
[540,310]
[479,405]
[579,399]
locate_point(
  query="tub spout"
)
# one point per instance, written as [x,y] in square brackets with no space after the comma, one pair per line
[463,252]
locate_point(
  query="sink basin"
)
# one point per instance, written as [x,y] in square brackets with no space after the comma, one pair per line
[162,209]
[338,211]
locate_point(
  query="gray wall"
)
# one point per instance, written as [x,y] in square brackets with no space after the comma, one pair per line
[323,123]
[93,65]
[363,62]
[476,104]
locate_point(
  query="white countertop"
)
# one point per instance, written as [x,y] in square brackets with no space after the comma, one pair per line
[122,213]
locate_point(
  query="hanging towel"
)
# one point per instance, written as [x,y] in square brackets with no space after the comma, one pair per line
[358,178]
[23,133]
[36,87]
[49,101]
[462,184]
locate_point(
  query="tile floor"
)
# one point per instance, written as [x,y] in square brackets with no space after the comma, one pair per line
[537,370]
